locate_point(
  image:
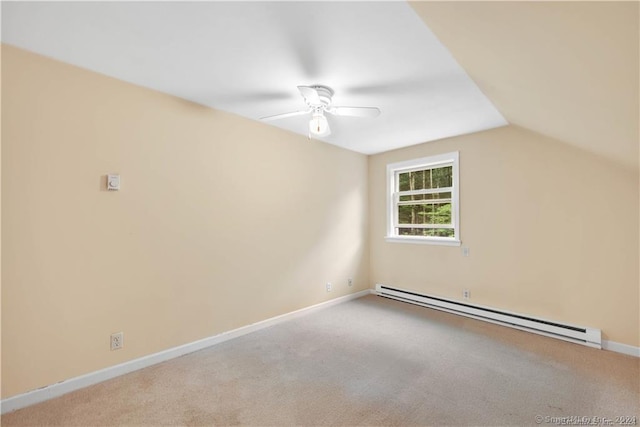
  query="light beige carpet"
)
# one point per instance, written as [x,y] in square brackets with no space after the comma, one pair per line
[371,361]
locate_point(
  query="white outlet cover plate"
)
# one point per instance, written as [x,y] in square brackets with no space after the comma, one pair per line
[117,341]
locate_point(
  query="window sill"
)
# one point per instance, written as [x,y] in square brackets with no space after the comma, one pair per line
[423,240]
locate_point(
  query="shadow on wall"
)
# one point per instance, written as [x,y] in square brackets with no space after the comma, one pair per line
[344,227]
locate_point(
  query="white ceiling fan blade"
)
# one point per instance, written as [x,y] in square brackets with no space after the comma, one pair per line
[310,95]
[355,111]
[285,115]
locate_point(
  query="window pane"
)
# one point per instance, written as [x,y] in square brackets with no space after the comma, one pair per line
[429,232]
[417,180]
[442,177]
[435,196]
[426,179]
[407,181]
[427,213]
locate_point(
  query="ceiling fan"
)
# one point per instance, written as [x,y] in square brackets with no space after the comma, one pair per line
[318,99]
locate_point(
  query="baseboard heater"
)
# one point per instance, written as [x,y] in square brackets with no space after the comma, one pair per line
[578,334]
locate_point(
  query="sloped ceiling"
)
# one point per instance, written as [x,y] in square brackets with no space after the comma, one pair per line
[248,58]
[568,70]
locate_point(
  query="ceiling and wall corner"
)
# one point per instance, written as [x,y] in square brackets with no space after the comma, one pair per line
[568,70]
[248,58]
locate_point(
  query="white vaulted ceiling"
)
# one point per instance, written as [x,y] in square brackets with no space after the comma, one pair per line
[568,70]
[248,58]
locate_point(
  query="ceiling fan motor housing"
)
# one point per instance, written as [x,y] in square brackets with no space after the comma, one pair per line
[318,98]
[324,93]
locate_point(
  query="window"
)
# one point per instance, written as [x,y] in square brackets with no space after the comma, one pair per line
[422,200]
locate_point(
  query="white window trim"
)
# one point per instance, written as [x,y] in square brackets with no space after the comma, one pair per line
[418,164]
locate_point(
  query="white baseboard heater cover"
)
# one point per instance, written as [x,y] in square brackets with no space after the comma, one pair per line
[578,334]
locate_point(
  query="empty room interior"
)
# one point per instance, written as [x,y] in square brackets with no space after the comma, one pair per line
[320,213]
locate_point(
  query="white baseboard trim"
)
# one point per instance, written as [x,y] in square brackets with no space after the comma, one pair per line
[621,348]
[54,390]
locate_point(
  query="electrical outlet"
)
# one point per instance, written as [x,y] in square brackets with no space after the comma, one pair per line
[350,281]
[117,340]
[328,286]
[465,251]
[466,294]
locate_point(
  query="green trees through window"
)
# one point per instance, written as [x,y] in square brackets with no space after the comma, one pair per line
[423,200]
[416,207]
[426,179]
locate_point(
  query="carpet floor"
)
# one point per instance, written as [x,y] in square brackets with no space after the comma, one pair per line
[370,361]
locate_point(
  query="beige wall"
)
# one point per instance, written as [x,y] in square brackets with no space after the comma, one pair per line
[0,223]
[566,69]
[209,233]
[221,221]
[552,231]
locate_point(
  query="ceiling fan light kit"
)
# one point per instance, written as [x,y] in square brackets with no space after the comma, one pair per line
[318,99]
[319,125]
